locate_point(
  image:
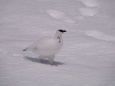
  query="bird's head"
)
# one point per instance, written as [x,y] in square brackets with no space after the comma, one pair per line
[60,32]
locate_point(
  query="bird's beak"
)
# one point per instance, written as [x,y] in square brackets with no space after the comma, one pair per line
[64,31]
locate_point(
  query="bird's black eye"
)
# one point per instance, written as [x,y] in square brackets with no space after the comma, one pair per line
[62,31]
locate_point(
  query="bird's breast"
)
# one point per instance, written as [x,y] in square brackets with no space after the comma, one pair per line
[49,46]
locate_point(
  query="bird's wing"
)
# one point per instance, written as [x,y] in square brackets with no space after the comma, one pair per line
[33,46]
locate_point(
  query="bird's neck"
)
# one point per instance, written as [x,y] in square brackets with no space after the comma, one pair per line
[58,36]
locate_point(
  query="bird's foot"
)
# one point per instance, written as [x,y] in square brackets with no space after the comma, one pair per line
[41,61]
[53,64]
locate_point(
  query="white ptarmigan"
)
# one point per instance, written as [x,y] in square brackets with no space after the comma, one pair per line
[48,47]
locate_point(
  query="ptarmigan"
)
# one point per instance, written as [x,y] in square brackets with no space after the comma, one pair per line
[48,47]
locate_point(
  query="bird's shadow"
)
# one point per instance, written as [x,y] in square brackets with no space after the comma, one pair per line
[44,61]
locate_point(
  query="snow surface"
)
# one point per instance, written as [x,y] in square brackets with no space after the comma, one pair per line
[60,16]
[90,3]
[88,54]
[88,11]
[100,35]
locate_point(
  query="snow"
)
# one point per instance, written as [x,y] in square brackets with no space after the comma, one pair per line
[87,57]
[60,16]
[88,11]
[90,3]
[100,35]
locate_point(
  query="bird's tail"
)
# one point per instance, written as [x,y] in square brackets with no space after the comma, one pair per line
[31,47]
[25,49]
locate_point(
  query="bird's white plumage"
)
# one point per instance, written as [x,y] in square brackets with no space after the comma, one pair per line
[48,47]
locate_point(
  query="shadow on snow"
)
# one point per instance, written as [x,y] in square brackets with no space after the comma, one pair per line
[44,61]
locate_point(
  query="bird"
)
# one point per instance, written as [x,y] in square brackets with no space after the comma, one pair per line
[48,47]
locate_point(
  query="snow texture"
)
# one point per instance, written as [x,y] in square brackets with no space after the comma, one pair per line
[90,3]
[88,11]
[88,54]
[100,35]
[60,16]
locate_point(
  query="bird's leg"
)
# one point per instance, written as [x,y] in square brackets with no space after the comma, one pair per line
[40,59]
[51,60]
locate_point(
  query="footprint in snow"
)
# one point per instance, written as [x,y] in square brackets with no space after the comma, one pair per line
[88,11]
[100,35]
[60,16]
[90,3]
